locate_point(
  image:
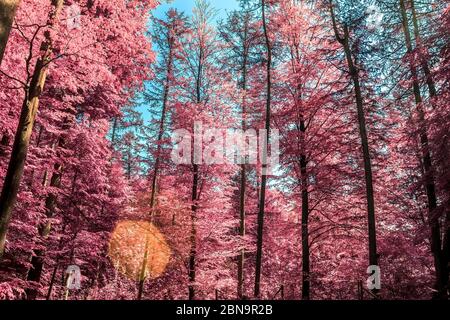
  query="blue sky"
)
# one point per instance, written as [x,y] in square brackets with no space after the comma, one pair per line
[186,5]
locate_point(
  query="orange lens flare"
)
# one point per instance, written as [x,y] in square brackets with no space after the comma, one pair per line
[138,250]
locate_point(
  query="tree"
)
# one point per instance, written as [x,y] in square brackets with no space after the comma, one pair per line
[74,103]
[429,179]
[262,196]
[241,37]
[353,71]
[25,128]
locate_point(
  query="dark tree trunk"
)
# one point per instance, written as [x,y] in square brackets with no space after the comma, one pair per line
[37,261]
[154,186]
[193,238]
[427,163]
[195,196]
[262,197]
[243,180]
[161,128]
[24,131]
[143,273]
[354,74]
[306,278]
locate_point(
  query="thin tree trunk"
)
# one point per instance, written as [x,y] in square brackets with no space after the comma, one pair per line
[158,152]
[262,199]
[8,9]
[161,128]
[306,269]
[24,131]
[243,182]
[427,163]
[241,257]
[114,133]
[345,42]
[433,93]
[37,261]
[55,269]
[193,238]
[195,185]
[306,280]
[446,255]
[143,273]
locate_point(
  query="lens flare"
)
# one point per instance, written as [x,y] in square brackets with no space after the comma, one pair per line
[138,250]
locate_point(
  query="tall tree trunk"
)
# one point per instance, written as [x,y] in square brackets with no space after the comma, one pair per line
[354,73]
[193,238]
[158,151]
[195,187]
[37,261]
[445,258]
[306,269]
[262,197]
[24,130]
[243,180]
[446,255]
[161,127]
[427,163]
[306,278]
[55,268]
[241,257]
[8,10]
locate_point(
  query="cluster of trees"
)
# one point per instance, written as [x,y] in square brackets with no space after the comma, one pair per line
[358,91]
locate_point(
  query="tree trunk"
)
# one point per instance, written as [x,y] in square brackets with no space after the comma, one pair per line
[241,257]
[24,131]
[262,198]
[8,10]
[306,269]
[433,93]
[195,186]
[143,274]
[161,128]
[306,279]
[193,238]
[243,182]
[446,255]
[354,73]
[427,163]
[55,269]
[37,261]
[158,152]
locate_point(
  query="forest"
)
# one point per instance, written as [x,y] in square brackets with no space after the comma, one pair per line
[114,184]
